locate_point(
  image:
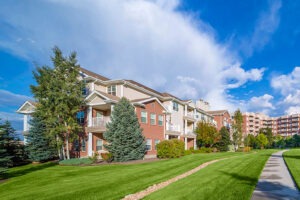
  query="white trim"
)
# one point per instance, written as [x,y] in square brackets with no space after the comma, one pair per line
[23,105]
[96,93]
[90,144]
[151,99]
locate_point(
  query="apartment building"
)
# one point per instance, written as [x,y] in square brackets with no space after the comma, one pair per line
[288,125]
[161,115]
[285,125]
[253,122]
[222,118]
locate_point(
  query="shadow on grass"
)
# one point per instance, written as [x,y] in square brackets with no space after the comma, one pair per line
[29,168]
[247,179]
[292,156]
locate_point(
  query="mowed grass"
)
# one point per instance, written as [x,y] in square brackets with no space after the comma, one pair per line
[50,181]
[233,178]
[292,159]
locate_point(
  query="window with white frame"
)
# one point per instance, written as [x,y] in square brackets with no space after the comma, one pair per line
[144,117]
[156,142]
[80,117]
[160,120]
[112,90]
[152,119]
[148,144]
[175,106]
[99,144]
[83,146]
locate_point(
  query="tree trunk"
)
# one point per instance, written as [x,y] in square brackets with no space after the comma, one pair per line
[63,152]
[67,147]
[58,148]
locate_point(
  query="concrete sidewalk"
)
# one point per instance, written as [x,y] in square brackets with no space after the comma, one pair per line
[275,181]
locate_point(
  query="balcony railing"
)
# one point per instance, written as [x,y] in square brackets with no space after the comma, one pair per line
[99,121]
[173,127]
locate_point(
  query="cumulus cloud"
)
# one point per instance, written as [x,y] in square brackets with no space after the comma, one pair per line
[261,102]
[288,86]
[8,98]
[148,41]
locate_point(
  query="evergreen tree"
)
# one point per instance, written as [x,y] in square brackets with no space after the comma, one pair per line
[237,128]
[38,147]
[59,96]
[5,158]
[123,134]
[225,139]
[207,134]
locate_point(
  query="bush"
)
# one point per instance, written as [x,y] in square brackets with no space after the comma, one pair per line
[170,149]
[246,149]
[95,156]
[77,161]
[188,152]
[108,157]
[206,150]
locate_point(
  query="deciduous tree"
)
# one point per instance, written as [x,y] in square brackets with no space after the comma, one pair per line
[207,134]
[59,96]
[237,128]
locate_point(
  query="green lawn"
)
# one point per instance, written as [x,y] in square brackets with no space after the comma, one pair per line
[292,159]
[233,178]
[50,181]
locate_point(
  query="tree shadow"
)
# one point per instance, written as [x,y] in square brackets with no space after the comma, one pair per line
[274,190]
[249,180]
[292,156]
[29,169]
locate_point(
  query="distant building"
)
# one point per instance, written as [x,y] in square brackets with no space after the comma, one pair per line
[288,125]
[222,118]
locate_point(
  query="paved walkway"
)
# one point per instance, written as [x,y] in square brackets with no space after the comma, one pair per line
[275,181]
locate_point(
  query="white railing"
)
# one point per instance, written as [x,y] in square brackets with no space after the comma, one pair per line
[190,115]
[173,127]
[100,121]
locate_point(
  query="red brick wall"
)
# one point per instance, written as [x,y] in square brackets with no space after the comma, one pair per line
[152,131]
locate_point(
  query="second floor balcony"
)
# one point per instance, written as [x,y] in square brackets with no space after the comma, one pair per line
[98,124]
[173,129]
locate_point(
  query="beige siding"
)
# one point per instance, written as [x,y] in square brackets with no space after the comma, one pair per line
[131,94]
[101,88]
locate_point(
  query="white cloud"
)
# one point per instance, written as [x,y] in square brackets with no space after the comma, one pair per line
[266,25]
[293,110]
[148,41]
[11,116]
[8,98]
[288,86]
[261,102]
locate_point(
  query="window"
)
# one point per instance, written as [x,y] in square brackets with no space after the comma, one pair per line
[85,91]
[152,119]
[144,117]
[160,120]
[99,145]
[112,90]
[76,145]
[175,106]
[156,142]
[80,117]
[149,144]
[83,147]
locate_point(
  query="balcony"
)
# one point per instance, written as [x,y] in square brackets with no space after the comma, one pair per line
[172,129]
[98,124]
[189,117]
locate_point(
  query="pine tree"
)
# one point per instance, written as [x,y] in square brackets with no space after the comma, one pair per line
[59,96]
[225,139]
[5,158]
[39,147]
[124,135]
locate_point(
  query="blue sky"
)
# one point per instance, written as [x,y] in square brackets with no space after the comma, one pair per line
[238,54]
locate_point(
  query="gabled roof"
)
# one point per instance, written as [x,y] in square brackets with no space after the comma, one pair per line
[217,112]
[27,107]
[102,78]
[104,95]
[145,100]
[143,86]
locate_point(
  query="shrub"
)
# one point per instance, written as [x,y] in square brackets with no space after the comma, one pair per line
[76,161]
[246,149]
[188,152]
[170,149]
[95,156]
[108,157]
[206,150]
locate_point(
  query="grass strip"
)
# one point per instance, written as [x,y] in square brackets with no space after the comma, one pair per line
[49,181]
[233,178]
[292,159]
